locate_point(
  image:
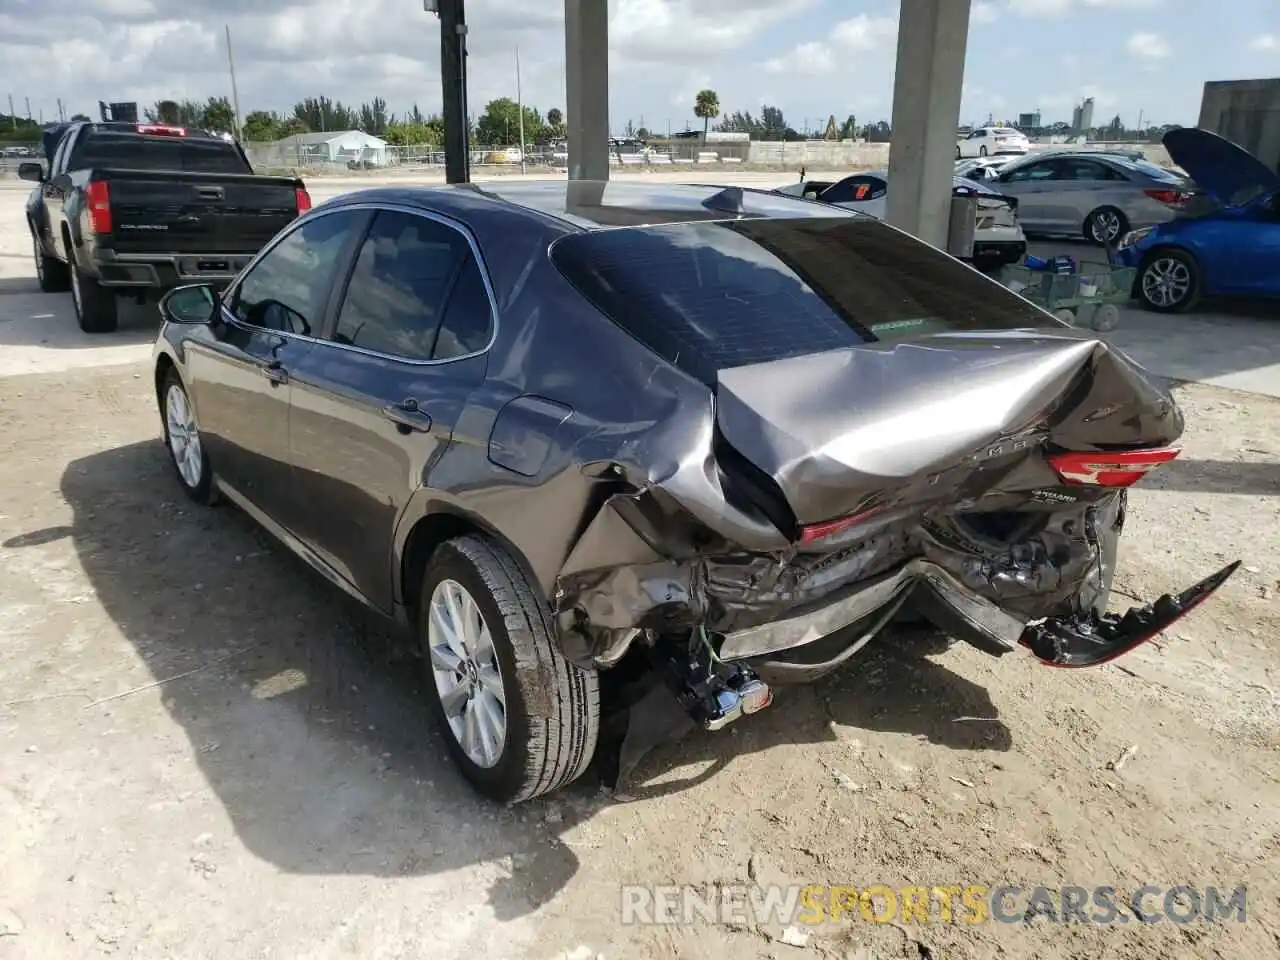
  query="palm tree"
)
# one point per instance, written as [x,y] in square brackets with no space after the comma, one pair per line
[706,105]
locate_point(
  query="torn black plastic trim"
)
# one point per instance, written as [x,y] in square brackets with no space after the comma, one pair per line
[1092,639]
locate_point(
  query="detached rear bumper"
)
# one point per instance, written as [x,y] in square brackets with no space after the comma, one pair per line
[942,598]
[1083,639]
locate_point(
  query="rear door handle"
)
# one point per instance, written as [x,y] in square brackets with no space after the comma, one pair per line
[407,416]
[274,372]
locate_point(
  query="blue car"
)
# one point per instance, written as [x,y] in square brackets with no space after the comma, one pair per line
[1227,240]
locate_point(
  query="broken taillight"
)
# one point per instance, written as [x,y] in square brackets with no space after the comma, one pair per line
[1172,198]
[303,198]
[1119,468]
[98,200]
[813,532]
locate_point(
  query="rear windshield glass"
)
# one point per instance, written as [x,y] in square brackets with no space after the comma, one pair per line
[715,295]
[131,151]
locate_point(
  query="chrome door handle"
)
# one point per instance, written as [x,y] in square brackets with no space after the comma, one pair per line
[275,373]
[407,416]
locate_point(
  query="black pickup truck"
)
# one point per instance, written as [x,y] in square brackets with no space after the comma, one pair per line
[136,207]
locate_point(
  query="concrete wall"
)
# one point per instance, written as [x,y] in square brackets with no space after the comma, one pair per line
[1246,112]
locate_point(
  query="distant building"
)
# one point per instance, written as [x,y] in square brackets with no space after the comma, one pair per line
[1082,117]
[1246,112]
[1029,121]
[345,146]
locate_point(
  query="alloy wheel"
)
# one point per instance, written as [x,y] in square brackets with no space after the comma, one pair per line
[1166,282]
[184,438]
[468,678]
[1106,226]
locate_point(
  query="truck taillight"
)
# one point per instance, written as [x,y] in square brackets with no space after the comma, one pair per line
[99,201]
[1109,469]
[303,198]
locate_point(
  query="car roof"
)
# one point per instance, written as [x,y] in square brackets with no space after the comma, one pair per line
[596,204]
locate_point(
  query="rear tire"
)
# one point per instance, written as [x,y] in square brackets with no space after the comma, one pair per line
[96,305]
[1105,226]
[518,719]
[50,271]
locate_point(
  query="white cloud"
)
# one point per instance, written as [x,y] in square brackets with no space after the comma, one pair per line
[1150,46]
[1040,8]
[1123,4]
[858,35]
[1267,42]
[983,11]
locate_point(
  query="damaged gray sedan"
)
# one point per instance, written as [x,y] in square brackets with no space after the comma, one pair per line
[710,438]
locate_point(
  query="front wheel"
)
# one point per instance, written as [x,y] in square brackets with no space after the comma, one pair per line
[1168,282]
[519,720]
[96,305]
[182,440]
[50,271]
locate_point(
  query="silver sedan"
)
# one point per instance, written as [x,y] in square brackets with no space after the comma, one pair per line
[1097,196]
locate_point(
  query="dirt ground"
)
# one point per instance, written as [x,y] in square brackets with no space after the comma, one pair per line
[205,751]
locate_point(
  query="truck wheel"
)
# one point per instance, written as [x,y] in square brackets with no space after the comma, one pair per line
[519,720]
[95,304]
[50,271]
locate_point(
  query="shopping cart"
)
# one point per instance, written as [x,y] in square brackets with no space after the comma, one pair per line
[1088,297]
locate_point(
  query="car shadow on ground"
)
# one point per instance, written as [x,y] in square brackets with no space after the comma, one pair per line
[310,724]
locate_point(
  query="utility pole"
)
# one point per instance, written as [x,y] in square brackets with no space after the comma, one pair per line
[520,109]
[13,117]
[28,99]
[453,86]
[62,116]
[235,93]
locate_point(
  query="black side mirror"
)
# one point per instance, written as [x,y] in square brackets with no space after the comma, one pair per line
[31,171]
[194,303]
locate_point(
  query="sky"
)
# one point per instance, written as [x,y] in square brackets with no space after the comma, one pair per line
[1139,59]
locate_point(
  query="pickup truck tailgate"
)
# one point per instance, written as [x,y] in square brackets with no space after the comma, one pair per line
[155,211]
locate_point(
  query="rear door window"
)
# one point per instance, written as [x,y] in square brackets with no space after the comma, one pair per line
[395,298]
[715,295]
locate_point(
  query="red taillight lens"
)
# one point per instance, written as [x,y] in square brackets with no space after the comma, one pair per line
[829,528]
[161,130]
[1173,198]
[99,201]
[1115,469]
[303,198]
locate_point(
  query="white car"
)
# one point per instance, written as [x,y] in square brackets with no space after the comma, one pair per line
[982,169]
[998,238]
[989,141]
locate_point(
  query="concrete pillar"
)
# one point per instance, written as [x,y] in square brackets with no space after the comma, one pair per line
[586,115]
[932,35]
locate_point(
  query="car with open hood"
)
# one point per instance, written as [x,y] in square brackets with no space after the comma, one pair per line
[997,239]
[585,439]
[1227,243]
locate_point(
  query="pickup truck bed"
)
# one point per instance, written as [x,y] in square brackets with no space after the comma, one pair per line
[131,208]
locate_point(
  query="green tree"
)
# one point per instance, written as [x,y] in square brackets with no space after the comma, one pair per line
[555,121]
[322,113]
[374,118]
[773,125]
[706,106]
[79,117]
[499,125]
[849,129]
[261,126]
[218,116]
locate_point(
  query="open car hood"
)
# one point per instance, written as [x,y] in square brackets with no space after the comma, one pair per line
[1220,168]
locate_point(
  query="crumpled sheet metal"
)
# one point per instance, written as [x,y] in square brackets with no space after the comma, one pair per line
[922,429]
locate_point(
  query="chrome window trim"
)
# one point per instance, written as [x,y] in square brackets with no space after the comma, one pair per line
[321,211]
